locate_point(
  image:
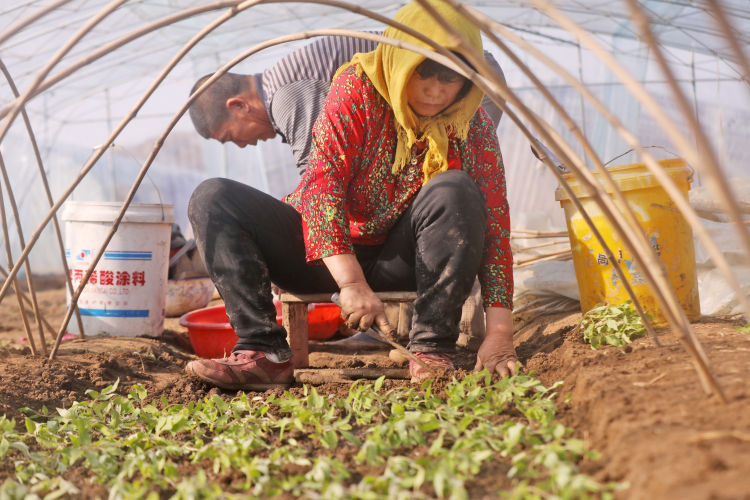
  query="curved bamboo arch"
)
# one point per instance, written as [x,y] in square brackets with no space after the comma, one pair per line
[92,161]
[625,223]
[120,42]
[55,222]
[19,102]
[28,20]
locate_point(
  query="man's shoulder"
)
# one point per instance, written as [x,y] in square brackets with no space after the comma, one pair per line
[343,44]
[294,107]
[317,60]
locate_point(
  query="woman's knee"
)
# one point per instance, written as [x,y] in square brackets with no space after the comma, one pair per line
[456,192]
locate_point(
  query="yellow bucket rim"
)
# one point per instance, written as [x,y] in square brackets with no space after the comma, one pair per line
[631,177]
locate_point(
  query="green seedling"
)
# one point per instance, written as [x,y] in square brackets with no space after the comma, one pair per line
[413,443]
[743,329]
[612,325]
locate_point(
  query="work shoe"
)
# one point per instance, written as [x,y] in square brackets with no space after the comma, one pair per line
[439,363]
[244,371]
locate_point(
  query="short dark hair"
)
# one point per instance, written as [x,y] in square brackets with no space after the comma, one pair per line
[208,112]
[429,68]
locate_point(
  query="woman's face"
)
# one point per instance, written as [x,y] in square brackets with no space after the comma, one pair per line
[430,96]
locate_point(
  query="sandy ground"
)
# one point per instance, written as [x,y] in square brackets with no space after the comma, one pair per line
[643,407]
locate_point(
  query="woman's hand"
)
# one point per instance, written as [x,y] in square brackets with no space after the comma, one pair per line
[497,353]
[360,307]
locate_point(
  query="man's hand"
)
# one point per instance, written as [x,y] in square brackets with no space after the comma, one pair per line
[497,353]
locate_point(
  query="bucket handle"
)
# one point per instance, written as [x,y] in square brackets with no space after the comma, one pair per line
[156,188]
[692,169]
[692,173]
[642,147]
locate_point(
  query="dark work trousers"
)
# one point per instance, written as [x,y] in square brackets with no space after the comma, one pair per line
[250,239]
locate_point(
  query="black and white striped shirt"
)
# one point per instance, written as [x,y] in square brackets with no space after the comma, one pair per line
[294,89]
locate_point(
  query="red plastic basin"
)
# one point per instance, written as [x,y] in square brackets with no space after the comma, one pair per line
[212,336]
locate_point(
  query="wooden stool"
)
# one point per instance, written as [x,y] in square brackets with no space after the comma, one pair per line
[294,318]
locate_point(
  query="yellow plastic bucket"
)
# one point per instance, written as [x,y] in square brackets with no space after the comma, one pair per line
[664,226]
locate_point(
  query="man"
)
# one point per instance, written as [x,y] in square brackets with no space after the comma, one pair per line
[284,100]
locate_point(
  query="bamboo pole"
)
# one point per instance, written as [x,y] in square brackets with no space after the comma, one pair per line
[535,237]
[120,42]
[679,198]
[16,288]
[716,181]
[547,244]
[87,167]
[547,256]
[539,234]
[663,291]
[66,47]
[25,297]
[21,24]
[172,19]
[79,34]
[27,264]
[730,35]
[48,193]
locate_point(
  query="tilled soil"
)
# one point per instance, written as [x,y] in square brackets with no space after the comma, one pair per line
[643,407]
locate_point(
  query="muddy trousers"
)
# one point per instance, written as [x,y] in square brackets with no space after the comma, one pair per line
[250,239]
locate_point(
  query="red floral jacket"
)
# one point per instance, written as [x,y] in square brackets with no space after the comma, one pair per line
[349,194]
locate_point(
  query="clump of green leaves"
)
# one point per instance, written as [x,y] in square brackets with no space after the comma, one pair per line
[743,329]
[612,325]
[408,441]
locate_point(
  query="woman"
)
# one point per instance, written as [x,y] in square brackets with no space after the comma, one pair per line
[404,190]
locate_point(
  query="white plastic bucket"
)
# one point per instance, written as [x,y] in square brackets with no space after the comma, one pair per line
[126,294]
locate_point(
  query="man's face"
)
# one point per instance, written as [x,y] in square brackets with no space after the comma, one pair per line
[244,127]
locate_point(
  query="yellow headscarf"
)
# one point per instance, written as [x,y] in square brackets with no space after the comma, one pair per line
[389,68]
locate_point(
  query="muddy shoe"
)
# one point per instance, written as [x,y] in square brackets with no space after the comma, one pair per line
[243,370]
[439,362]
